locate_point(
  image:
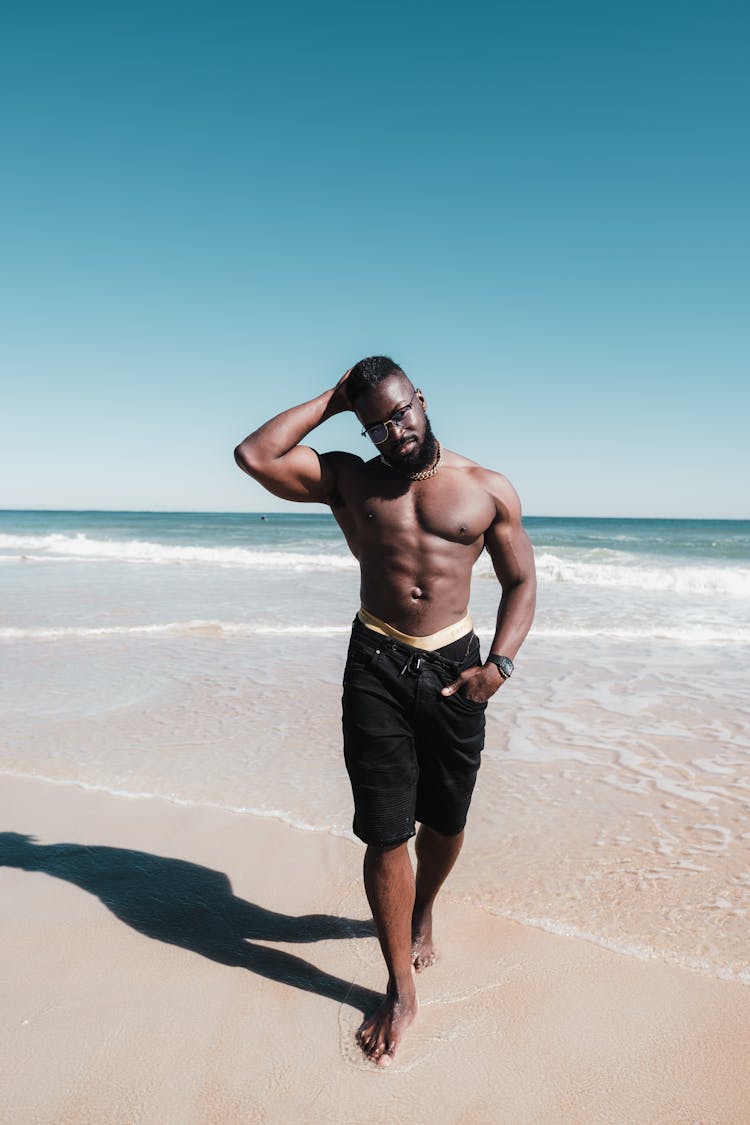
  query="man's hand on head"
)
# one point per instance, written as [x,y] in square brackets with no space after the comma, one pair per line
[477,684]
[339,401]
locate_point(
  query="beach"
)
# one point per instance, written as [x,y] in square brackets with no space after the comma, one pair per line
[187,934]
[128,998]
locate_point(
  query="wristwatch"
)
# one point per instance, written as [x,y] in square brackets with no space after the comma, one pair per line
[504,665]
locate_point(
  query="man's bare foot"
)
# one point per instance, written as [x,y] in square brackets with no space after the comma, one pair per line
[380,1034]
[422,948]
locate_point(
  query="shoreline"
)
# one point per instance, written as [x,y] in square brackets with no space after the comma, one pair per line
[183,963]
[550,926]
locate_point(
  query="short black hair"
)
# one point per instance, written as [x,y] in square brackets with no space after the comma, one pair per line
[368,373]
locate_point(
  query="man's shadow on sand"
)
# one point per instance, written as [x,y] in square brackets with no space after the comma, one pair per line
[185,904]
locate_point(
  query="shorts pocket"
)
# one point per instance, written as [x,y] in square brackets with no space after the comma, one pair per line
[360,660]
[464,701]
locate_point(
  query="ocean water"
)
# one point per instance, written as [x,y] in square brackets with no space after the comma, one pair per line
[198,658]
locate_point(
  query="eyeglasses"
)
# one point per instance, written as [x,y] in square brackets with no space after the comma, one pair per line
[379,432]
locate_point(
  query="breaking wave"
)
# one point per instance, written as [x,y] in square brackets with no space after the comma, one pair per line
[617,569]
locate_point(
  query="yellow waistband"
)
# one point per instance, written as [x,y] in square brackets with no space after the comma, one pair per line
[430,643]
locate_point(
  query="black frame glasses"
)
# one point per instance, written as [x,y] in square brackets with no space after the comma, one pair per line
[378,434]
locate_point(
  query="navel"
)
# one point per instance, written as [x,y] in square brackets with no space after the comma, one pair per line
[461,530]
[415,593]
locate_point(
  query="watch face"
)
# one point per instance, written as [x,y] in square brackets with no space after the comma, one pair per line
[505,664]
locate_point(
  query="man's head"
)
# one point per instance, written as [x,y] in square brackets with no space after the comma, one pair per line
[368,373]
[379,390]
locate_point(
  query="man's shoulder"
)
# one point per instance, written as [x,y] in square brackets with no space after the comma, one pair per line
[493,483]
[479,474]
[341,470]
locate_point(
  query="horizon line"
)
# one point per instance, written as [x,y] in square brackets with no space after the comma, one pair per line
[284,512]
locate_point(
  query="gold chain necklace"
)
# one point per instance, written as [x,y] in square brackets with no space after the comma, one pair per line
[427,473]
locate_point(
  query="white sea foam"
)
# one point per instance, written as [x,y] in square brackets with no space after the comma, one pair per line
[184,802]
[67,548]
[695,634]
[641,575]
[687,634]
[607,570]
[170,628]
[629,949]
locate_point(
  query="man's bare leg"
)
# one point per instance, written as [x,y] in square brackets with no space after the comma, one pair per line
[389,883]
[436,855]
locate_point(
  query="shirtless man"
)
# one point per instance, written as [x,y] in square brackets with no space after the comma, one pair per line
[417,517]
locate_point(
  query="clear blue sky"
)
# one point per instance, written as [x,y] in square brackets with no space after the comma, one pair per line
[208,211]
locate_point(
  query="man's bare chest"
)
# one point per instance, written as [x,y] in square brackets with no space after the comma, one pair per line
[437,509]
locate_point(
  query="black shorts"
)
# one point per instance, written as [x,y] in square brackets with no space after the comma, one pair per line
[411,753]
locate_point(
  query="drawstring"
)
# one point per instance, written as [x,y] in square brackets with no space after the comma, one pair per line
[413,665]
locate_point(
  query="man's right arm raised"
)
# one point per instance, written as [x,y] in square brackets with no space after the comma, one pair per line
[273,455]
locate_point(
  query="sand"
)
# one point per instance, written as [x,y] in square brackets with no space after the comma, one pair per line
[158,970]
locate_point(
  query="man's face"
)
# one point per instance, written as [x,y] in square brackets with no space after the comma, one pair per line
[410,441]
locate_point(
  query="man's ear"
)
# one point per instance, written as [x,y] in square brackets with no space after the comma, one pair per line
[422,399]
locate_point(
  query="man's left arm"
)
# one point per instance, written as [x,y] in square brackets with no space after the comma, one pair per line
[512,556]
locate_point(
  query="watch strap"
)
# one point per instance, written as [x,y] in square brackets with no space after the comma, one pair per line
[504,665]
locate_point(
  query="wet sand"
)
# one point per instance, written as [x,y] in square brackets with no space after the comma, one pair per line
[174,964]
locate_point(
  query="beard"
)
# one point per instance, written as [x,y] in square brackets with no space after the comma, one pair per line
[422,457]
